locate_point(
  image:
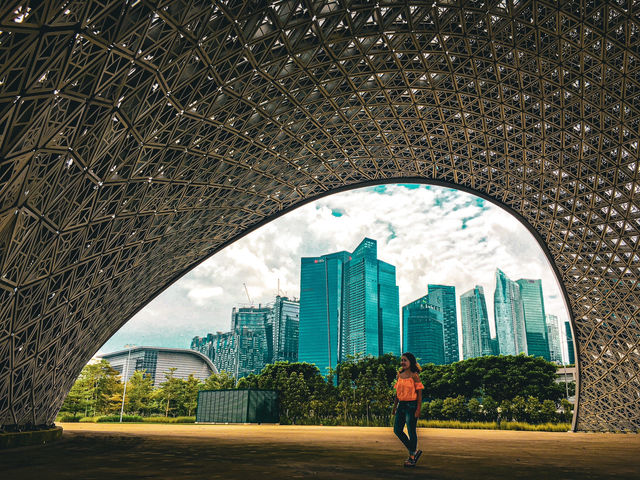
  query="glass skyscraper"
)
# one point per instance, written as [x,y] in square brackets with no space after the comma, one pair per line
[349,305]
[285,319]
[443,297]
[321,288]
[423,331]
[509,316]
[571,352]
[555,349]
[257,320]
[534,318]
[476,336]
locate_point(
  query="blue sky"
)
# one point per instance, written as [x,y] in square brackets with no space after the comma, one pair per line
[431,234]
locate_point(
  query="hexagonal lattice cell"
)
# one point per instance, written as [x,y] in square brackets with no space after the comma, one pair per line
[138,138]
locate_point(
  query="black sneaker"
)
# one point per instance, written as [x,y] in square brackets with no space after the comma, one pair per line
[416,456]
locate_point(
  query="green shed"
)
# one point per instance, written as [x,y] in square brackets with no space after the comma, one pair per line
[237,406]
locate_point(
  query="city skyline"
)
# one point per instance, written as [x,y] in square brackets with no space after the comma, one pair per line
[433,235]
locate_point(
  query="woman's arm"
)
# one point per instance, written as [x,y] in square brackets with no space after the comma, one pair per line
[416,379]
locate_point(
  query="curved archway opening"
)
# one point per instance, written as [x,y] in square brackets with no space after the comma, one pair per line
[433,234]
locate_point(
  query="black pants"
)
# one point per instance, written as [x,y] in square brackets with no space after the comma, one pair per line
[406,413]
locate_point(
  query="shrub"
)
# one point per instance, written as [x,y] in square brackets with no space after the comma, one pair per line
[169,419]
[116,418]
[69,418]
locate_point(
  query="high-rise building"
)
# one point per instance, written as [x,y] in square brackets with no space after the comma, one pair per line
[555,348]
[423,331]
[476,336]
[534,318]
[370,323]
[258,320]
[321,309]
[509,316]
[349,305]
[285,319]
[444,298]
[205,345]
[570,348]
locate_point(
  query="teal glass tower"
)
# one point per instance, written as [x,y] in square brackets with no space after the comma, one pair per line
[285,319]
[509,316]
[349,305]
[321,291]
[570,347]
[534,318]
[476,336]
[555,350]
[423,331]
[443,297]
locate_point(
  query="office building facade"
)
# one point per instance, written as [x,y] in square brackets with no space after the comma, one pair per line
[509,316]
[534,318]
[156,363]
[553,333]
[285,323]
[476,336]
[443,297]
[349,305]
[423,331]
[571,353]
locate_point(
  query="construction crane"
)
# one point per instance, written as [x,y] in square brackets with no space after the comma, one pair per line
[246,290]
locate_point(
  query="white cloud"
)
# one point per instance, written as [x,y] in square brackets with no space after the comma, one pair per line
[431,234]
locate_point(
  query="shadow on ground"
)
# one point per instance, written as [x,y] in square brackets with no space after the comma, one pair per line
[99,451]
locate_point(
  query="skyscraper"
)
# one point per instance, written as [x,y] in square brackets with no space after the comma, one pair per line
[423,331]
[509,316]
[444,298]
[258,321]
[476,336]
[348,305]
[321,287]
[555,349]
[534,318]
[285,319]
[570,348]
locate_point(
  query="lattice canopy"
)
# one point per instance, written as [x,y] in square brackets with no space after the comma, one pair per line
[139,137]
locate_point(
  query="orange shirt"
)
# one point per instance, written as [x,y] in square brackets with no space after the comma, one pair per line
[406,389]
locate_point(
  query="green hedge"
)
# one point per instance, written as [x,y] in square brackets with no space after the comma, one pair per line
[116,418]
[523,426]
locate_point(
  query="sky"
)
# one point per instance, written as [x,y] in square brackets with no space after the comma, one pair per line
[431,234]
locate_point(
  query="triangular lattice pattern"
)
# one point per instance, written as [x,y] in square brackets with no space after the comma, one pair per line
[138,138]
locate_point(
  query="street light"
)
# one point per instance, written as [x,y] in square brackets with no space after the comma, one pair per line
[124,376]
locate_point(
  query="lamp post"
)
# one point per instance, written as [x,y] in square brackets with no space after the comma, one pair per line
[124,376]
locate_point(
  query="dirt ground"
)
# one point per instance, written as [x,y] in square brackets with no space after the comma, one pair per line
[247,452]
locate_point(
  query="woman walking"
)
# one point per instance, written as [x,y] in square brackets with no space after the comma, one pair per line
[407,406]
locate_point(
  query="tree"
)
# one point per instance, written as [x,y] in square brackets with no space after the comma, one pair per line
[79,397]
[548,411]
[490,409]
[190,388]
[435,409]
[169,391]
[454,408]
[295,397]
[219,381]
[139,393]
[474,410]
[519,409]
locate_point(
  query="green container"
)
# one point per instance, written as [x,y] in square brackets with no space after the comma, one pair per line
[237,406]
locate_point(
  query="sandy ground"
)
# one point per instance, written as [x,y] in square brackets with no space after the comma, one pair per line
[247,452]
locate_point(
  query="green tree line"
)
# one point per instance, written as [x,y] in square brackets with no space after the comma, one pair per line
[358,391]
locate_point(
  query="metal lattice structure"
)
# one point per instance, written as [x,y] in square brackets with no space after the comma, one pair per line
[139,137]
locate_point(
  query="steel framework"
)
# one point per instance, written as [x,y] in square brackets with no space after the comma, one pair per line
[137,138]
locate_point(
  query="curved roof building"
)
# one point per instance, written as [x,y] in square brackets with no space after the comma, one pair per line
[139,138]
[156,362]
